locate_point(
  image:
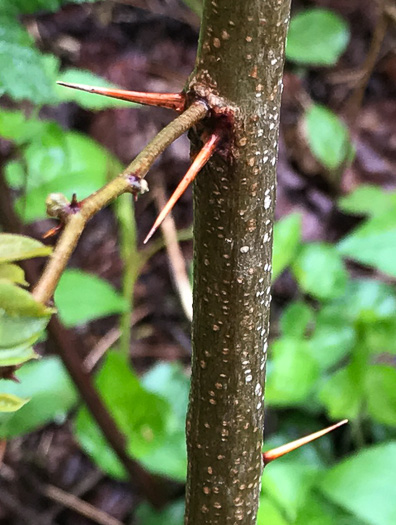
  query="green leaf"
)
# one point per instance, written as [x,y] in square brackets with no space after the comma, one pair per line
[365,301]
[269,513]
[51,394]
[172,514]
[24,76]
[60,162]
[292,372]
[87,100]
[327,136]
[11,403]
[364,484]
[13,273]
[367,200]
[287,237]
[16,127]
[381,336]
[381,393]
[317,37]
[317,510]
[140,415]
[333,338]
[296,319]
[22,320]
[81,297]
[19,247]
[342,395]
[170,382]
[194,5]
[373,243]
[319,271]
[288,482]
[34,6]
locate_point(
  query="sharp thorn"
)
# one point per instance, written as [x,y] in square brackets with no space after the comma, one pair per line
[175,101]
[198,163]
[278,452]
[52,232]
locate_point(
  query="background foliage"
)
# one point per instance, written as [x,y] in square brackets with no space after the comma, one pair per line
[332,354]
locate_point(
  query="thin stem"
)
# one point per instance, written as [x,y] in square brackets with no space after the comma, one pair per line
[138,168]
[130,259]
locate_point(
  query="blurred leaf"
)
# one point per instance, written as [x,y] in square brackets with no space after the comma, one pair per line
[319,271]
[63,162]
[172,514]
[15,174]
[23,74]
[34,6]
[194,5]
[11,403]
[319,511]
[291,374]
[15,126]
[140,415]
[367,200]
[12,272]
[333,338]
[317,37]
[288,481]
[87,100]
[296,319]
[373,243]
[342,395]
[81,297]
[365,301]
[51,394]
[364,484]
[22,320]
[381,393]
[327,136]
[170,459]
[287,237]
[18,247]
[269,513]
[381,336]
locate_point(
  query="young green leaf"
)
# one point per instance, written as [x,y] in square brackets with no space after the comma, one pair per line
[327,136]
[317,37]
[381,393]
[172,514]
[11,403]
[364,484]
[342,394]
[81,297]
[319,271]
[287,238]
[13,273]
[296,319]
[19,247]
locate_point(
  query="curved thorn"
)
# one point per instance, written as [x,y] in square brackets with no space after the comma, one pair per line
[174,101]
[199,162]
[278,452]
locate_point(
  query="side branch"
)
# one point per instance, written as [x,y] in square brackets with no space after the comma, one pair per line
[124,183]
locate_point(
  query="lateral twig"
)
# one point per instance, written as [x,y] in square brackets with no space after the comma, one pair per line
[137,169]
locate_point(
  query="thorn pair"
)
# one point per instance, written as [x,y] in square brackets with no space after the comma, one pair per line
[278,452]
[175,101]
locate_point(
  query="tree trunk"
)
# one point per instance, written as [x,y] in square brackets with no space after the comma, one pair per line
[239,67]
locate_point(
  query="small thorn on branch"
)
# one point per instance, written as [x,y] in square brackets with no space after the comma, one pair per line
[278,452]
[199,162]
[175,101]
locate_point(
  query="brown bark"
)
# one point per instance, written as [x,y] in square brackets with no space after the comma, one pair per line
[239,67]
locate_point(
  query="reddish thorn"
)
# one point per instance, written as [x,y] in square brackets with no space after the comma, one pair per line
[278,452]
[199,162]
[174,101]
[53,231]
